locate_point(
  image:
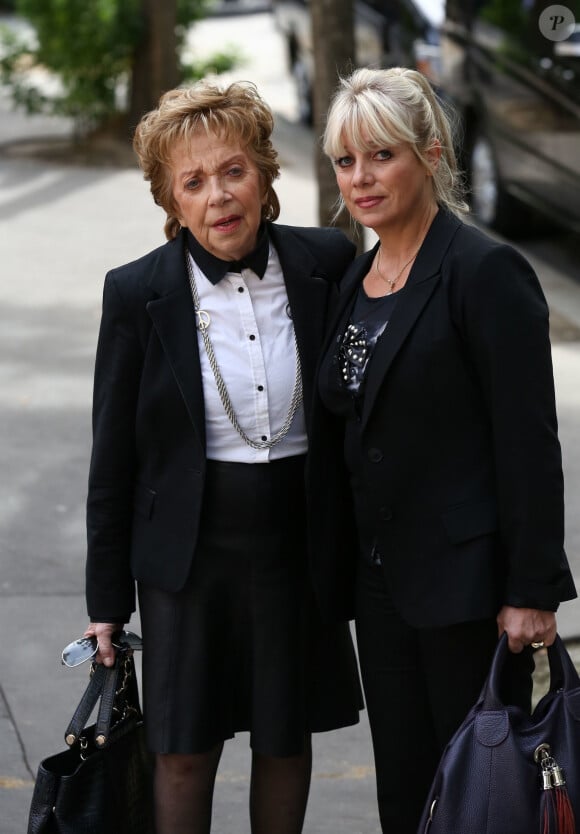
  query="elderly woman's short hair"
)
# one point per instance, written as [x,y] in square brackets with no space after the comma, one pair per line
[236,112]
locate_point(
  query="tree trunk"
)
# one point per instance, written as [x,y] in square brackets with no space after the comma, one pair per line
[156,63]
[334,56]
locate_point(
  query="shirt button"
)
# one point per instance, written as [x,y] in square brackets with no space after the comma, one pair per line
[240,289]
[252,337]
[264,437]
[375,455]
[260,387]
[386,513]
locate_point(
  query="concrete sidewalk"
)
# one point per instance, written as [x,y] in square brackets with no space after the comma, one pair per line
[62,227]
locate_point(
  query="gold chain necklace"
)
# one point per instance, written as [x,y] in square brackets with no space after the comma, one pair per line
[390,282]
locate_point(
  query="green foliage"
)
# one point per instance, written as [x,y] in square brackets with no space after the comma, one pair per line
[507,15]
[218,62]
[89,45]
[15,63]
[190,10]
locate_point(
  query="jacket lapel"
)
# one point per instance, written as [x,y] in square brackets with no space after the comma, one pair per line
[307,291]
[408,308]
[349,285]
[422,282]
[174,321]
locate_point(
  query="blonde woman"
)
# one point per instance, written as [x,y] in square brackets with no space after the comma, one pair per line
[439,366]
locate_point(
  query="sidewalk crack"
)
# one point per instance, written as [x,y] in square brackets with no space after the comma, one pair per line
[17,733]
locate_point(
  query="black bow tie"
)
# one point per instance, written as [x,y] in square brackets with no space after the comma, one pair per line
[215,268]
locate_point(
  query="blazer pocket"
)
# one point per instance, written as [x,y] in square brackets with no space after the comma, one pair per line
[144,500]
[469,521]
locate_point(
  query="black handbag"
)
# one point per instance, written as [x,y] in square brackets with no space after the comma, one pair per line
[103,783]
[506,771]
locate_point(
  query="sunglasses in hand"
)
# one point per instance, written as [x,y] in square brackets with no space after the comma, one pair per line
[83,649]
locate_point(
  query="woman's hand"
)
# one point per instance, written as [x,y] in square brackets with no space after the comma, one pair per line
[103,633]
[525,626]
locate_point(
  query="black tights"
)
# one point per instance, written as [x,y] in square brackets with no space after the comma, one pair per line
[184,786]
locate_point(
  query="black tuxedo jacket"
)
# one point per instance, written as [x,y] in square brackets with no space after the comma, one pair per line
[455,459]
[146,477]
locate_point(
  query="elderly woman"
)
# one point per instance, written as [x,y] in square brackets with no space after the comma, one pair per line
[439,366]
[200,485]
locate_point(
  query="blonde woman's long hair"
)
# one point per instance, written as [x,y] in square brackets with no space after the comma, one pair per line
[380,108]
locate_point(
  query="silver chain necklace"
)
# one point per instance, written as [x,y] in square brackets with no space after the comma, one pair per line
[203,323]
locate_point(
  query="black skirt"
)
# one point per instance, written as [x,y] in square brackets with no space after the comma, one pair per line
[242,646]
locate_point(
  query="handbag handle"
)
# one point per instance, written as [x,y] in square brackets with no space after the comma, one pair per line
[107,705]
[563,674]
[106,684]
[86,704]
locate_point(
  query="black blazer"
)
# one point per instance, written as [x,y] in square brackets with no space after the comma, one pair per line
[147,468]
[456,452]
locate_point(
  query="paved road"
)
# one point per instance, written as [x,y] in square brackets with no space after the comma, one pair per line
[62,226]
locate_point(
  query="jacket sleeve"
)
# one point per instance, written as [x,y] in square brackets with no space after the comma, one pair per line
[109,585]
[503,318]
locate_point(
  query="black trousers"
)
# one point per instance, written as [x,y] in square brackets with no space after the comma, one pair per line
[419,684]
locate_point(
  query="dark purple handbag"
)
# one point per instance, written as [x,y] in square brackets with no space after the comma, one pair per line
[506,771]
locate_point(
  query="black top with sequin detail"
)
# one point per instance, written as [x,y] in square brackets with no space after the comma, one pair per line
[342,388]
[368,320]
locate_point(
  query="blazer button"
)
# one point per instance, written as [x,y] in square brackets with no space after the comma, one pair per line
[386,513]
[375,455]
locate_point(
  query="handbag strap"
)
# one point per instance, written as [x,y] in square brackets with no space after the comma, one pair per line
[563,674]
[107,705]
[116,688]
[86,704]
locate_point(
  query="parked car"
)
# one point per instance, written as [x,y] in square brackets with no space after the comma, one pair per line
[518,94]
[387,33]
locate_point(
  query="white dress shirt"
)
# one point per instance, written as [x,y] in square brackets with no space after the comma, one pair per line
[253,340]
